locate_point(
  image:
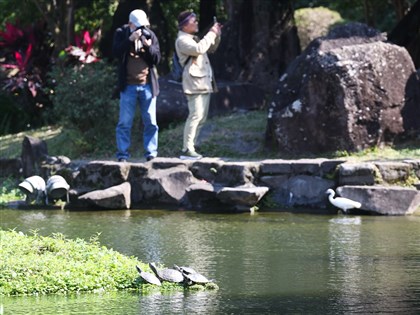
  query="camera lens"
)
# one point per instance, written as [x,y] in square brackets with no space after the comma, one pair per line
[146,33]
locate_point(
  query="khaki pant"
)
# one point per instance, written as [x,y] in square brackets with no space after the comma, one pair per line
[198,107]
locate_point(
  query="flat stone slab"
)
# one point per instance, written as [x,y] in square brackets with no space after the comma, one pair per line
[116,197]
[242,196]
[386,200]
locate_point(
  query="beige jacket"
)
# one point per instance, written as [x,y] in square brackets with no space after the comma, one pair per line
[197,77]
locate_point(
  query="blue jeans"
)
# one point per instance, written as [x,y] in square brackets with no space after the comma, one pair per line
[128,104]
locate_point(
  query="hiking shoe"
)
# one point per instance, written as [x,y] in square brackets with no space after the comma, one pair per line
[190,155]
[149,158]
[122,160]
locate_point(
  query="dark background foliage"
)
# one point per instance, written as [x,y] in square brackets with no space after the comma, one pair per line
[259,41]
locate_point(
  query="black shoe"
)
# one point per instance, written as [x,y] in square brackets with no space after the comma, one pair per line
[122,160]
[150,157]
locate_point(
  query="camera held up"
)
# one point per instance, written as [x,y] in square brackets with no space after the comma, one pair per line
[145,35]
[144,32]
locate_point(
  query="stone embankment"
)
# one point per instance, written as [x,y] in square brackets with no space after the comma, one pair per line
[382,187]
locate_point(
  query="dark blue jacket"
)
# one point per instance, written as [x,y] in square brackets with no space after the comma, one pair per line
[121,47]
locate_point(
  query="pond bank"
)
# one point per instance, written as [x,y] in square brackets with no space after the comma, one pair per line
[214,183]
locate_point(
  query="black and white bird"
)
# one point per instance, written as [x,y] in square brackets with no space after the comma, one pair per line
[343,203]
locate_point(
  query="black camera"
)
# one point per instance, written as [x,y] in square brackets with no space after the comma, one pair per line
[144,32]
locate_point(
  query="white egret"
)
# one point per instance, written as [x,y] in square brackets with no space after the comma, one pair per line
[342,203]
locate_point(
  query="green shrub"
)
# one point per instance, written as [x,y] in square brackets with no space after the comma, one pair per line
[9,192]
[82,100]
[314,22]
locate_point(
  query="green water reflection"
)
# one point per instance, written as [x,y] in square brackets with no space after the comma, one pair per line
[268,263]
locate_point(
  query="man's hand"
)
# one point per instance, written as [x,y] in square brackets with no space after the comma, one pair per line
[217,29]
[135,35]
[147,42]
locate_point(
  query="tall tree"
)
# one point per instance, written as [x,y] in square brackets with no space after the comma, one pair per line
[259,40]
[407,34]
[207,12]
[59,15]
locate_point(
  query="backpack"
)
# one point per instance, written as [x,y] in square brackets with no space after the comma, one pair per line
[177,69]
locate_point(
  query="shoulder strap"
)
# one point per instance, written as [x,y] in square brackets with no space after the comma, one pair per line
[186,61]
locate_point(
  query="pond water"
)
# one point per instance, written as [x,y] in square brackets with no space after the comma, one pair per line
[266,263]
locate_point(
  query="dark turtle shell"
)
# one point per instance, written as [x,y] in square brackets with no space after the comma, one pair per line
[170,275]
[186,270]
[196,278]
[148,277]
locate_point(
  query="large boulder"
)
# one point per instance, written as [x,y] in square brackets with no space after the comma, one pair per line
[344,92]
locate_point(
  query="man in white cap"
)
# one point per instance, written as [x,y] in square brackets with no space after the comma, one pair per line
[138,52]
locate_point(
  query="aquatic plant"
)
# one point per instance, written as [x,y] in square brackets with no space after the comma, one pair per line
[35,264]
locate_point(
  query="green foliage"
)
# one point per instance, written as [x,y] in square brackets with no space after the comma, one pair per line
[41,265]
[314,22]
[24,61]
[94,14]
[9,192]
[378,13]
[171,9]
[23,10]
[44,265]
[82,101]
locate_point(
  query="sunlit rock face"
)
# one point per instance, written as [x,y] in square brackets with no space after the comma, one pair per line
[346,91]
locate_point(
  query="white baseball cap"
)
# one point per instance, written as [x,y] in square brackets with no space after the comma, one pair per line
[138,18]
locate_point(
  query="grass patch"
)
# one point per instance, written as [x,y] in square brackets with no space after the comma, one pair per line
[236,136]
[34,264]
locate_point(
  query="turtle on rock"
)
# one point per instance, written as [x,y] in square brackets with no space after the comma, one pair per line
[148,277]
[191,276]
[167,274]
[184,269]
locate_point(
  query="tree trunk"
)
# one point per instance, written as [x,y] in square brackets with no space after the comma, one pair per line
[207,12]
[367,8]
[60,17]
[160,27]
[406,33]
[400,8]
[259,40]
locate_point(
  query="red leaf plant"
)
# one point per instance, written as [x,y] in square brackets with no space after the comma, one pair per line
[17,59]
[83,49]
